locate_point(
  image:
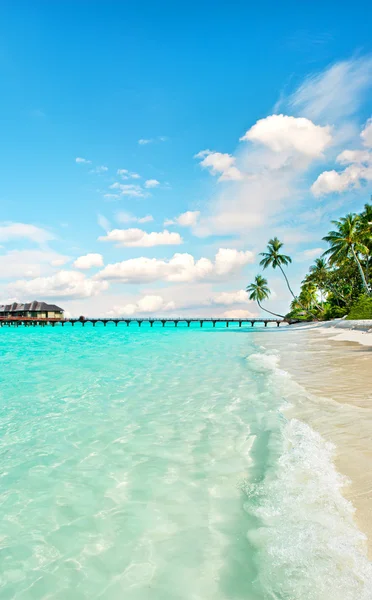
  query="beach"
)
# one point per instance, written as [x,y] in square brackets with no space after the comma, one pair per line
[333,362]
[184,463]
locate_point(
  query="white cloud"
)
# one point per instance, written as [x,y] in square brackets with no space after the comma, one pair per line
[88,261]
[83,161]
[64,284]
[228,298]
[274,182]
[111,196]
[180,268]
[99,170]
[123,217]
[59,262]
[186,219]
[335,93]
[219,164]
[145,141]
[147,304]
[29,263]
[125,174]
[239,314]
[283,133]
[145,219]
[359,170]
[129,189]
[17,231]
[330,182]
[354,156]
[139,238]
[366,134]
[151,183]
[309,254]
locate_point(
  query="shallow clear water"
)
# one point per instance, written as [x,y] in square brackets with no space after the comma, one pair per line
[144,464]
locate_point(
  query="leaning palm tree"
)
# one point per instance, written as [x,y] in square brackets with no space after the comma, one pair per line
[345,242]
[259,291]
[273,258]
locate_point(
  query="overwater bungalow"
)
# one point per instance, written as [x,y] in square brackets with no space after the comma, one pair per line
[31,310]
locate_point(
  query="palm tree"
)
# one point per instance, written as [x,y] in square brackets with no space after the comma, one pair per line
[365,227]
[345,242]
[318,273]
[259,291]
[273,258]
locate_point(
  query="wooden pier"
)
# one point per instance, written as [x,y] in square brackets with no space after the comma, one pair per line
[186,321]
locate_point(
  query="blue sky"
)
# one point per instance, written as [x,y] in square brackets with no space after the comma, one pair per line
[233,115]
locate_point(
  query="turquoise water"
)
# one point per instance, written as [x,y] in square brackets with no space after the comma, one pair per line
[159,464]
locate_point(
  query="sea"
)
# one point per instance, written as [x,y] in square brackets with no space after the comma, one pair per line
[142,463]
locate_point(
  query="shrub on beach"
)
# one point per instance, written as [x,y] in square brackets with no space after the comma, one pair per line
[333,312]
[361,309]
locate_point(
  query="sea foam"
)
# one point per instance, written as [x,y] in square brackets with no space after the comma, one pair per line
[306,540]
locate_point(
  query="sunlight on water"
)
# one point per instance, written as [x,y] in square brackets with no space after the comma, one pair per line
[159,464]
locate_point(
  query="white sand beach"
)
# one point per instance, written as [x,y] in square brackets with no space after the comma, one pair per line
[333,361]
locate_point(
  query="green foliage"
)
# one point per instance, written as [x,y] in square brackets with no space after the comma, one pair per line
[361,308]
[273,258]
[258,290]
[339,283]
[333,312]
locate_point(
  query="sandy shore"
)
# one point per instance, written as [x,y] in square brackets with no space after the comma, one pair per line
[333,362]
[352,331]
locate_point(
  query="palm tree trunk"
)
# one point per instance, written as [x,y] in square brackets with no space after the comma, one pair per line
[290,289]
[286,278]
[361,271]
[269,311]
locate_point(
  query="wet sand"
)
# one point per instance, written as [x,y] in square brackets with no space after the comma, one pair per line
[337,375]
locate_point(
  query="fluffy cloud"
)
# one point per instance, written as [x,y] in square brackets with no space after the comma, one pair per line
[88,261]
[83,161]
[219,164]
[144,141]
[282,133]
[139,238]
[128,189]
[64,284]
[348,157]
[147,304]
[366,134]
[359,170]
[151,183]
[180,268]
[333,182]
[186,219]
[123,217]
[29,263]
[273,182]
[17,231]
[229,298]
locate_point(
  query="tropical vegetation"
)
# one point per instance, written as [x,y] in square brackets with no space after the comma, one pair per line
[338,283]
